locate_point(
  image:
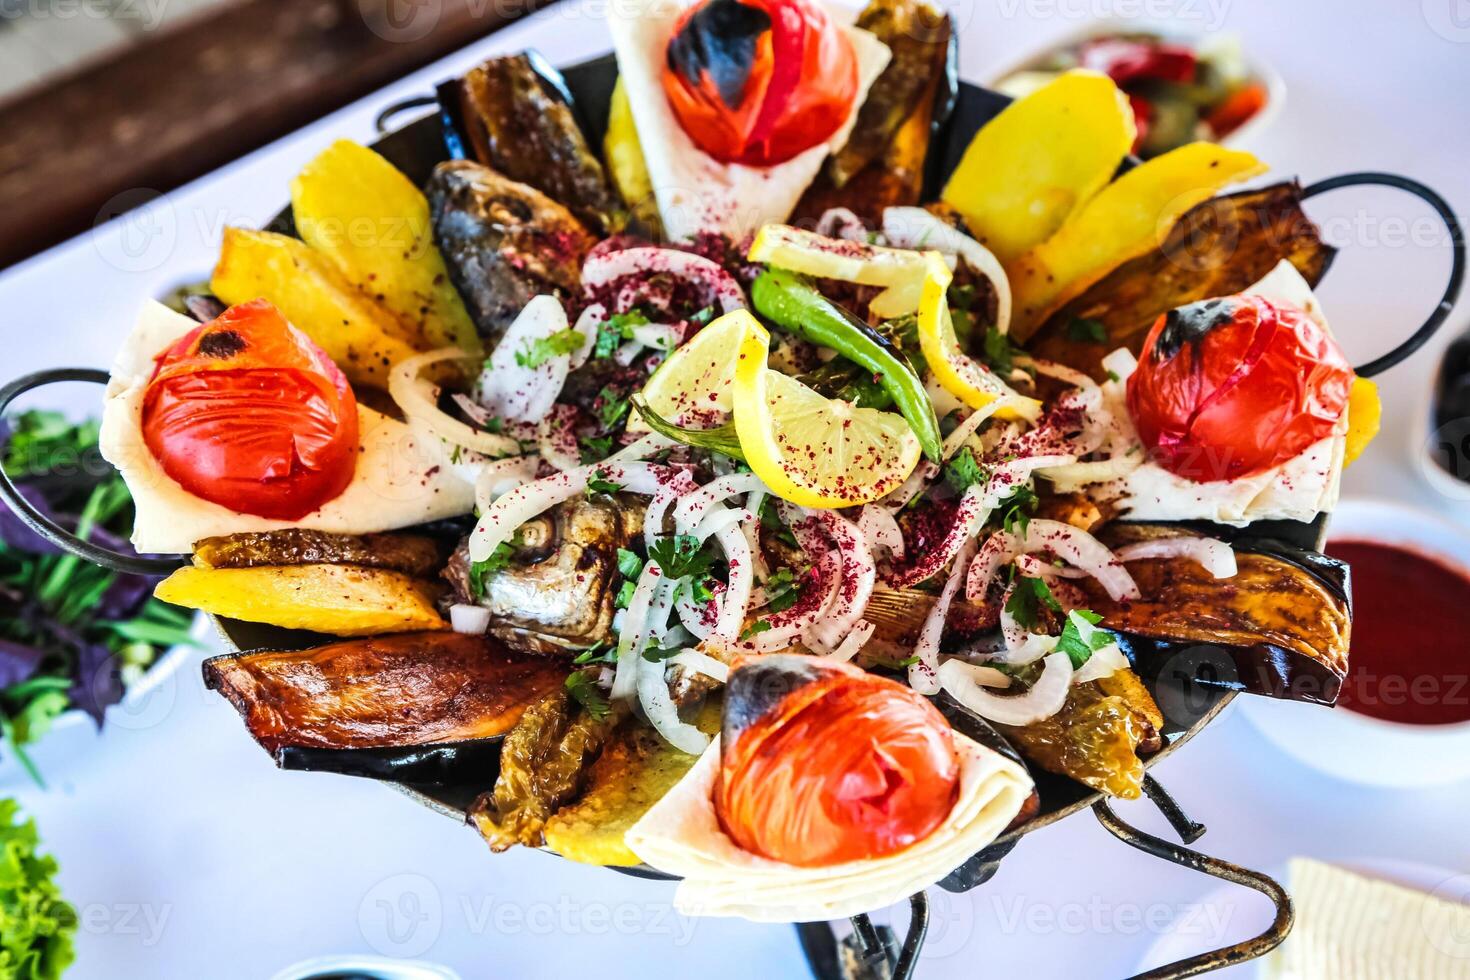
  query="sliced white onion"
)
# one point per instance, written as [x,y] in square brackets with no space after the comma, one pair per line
[1044,699]
[1033,648]
[659,336]
[880,529]
[859,575]
[606,267]
[1081,549]
[924,674]
[842,223]
[702,663]
[918,228]
[969,517]
[1005,478]
[695,618]
[625,354]
[910,487]
[1215,556]
[663,714]
[641,448]
[752,530]
[500,476]
[695,504]
[556,440]
[589,321]
[717,520]
[854,643]
[419,399]
[998,550]
[972,422]
[1104,662]
[635,630]
[735,599]
[1120,362]
[825,574]
[1062,373]
[466,618]
[985,676]
[1073,476]
[525,394]
[1013,631]
[653,517]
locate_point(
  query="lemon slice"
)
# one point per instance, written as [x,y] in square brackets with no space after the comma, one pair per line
[692,386]
[811,450]
[900,270]
[958,373]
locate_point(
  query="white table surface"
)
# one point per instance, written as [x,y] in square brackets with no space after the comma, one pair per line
[189,855]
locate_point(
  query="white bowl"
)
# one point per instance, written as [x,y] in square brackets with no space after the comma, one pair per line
[1353,746]
[1255,68]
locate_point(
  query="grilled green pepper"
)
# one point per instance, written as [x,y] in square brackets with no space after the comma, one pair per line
[795,305]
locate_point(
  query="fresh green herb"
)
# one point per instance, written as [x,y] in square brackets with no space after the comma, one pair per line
[629,564]
[585,692]
[1017,509]
[1000,353]
[964,471]
[481,570]
[1081,638]
[624,597]
[657,655]
[1087,330]
[1026,600]
[961,296]
[890,663]
[600,483]
[614,330]
[759,626]
[704,316]
[612,407]
[772,524]
[1114,376]
[495,425]
[36,923]
[595,448]
[681,556]
[543,349]
[783,589]
[602,653]
[961,301]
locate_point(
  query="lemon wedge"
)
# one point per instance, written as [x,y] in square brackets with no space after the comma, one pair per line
[811,450]
[958,373]
[692,386]
[901,271]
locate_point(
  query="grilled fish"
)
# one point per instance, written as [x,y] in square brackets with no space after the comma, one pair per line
[503,242]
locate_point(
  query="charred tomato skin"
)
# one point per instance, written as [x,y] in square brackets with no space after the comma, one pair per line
[823,763]
[1227,388]
[246,412]
[758,82]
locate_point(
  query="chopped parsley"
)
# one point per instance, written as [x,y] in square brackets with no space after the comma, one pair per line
[964,471]
[595,448]
[1018,508]
[543,349]
[891,664]
[629,564]
[1081,638]
[603,653]
[759,626]
[783,589]
[704,316]
[1026,600]
[680,556]
[1087,330]
[585,692]
[657,655]
[612,407]
[599,483]
[1114,376]
[772,524]
[1000,353]
[614,330]
[625,594]
[481,570]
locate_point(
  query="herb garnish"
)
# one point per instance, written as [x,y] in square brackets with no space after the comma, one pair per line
[1081,638]
[585,692]
[543,349]
[614,330]
[612,407]
[1018,507]
[1027,598]
[964,471]
[498,560]
[783,589]
[1087,330]
[599,482]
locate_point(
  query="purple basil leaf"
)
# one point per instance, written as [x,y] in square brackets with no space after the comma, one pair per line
[17,662]
[124,598]
[97,683]
[17,535]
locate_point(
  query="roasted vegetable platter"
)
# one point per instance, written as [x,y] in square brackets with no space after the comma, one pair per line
[946,471]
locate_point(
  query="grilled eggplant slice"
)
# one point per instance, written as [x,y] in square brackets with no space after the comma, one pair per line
[418,707]
[412,554]
[1217,248]
[515,115]
[1284,620]
[558,592]
[504,242]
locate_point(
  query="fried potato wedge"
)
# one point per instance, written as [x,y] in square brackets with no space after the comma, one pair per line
[1130,217]
[361,212]
[625,164]
[1040,160]
[342,600]
[364,339]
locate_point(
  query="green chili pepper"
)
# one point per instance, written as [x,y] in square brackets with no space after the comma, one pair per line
[791,303]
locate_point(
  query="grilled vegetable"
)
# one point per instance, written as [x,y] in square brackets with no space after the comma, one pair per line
[411,554]
[413,706]
[343,600]
[789,302]
[516,116]
[543,764]
[1218,248]
[557,590]
[356,208]
[625,162]
[504,242]
[634,771]
[362,337]
[1284,618]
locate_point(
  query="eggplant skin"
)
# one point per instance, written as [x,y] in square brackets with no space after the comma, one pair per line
[400,690]
[412,554]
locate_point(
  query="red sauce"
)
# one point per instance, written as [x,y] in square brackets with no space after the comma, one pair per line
[1409,660]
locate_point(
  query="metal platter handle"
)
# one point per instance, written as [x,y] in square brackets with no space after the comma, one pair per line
[53,532]
[1214,959]
[1451,293]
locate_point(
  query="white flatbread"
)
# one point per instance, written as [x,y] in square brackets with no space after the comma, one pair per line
[681,835]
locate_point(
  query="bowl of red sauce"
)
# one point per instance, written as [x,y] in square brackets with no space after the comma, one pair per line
[1403,714]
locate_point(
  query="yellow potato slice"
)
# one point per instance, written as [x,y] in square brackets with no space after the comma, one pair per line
[1039,160]
[343,600]
[364,339]
[624,155]
[361,212]
[1365,415]
[1126,219]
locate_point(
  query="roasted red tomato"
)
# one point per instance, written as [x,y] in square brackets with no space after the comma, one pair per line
[759,82]
[248,413]
[821,762]
[1230,387]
